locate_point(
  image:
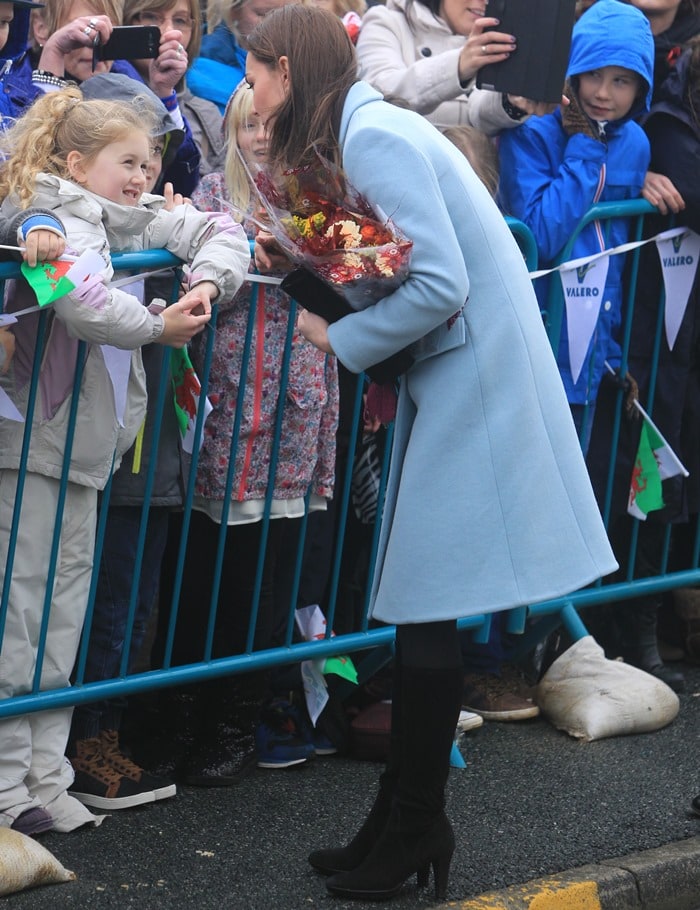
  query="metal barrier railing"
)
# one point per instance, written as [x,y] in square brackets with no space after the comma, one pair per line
[357,633]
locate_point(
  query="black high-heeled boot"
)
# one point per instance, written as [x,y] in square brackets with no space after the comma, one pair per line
[342,859]
[417,833]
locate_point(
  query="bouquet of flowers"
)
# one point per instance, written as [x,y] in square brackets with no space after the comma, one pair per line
[347,257]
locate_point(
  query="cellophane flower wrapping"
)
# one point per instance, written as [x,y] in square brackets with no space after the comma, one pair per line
[322,223]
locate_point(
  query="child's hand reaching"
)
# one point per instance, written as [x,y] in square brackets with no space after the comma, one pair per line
[173,199]
[187,317]
[269,256]
[42,245]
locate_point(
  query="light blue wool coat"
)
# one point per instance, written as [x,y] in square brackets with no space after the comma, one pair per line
[489,505]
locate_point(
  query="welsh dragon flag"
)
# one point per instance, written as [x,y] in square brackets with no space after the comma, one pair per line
[55,279]
[187,390]
[655,462]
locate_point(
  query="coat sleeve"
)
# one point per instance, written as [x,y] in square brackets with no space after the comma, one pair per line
[213,244]
[437,285]
[98,314]
[485,112]
[675,152]
[423,83]
[102,315]
[550,196]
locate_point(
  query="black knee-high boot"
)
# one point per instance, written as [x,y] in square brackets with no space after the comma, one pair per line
[417,833]
[343,859]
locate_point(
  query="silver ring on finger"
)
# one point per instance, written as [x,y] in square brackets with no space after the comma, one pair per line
[87,30]
[92,23]
[180,50]
[485,48]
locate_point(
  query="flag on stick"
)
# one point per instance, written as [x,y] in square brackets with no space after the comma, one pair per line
[655,461]
[187,390]
[52,280]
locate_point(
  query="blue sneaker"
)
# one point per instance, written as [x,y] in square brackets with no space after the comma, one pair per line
[278,741]
[316,738]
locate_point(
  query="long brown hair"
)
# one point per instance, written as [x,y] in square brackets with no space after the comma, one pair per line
[322,67]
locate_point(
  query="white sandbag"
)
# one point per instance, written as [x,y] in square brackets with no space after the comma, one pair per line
[592,697]
[24,863]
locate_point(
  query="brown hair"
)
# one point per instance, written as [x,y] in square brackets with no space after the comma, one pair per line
[132,9]
[322,67]
[57,124]
[480,152]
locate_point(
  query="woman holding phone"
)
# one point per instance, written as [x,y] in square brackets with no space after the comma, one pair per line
[63,37]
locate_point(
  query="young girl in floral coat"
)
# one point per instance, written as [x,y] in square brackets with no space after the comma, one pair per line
[305,463]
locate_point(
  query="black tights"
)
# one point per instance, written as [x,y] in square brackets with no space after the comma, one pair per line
[429,645]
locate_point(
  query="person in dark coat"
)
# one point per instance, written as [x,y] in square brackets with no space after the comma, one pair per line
[671,392]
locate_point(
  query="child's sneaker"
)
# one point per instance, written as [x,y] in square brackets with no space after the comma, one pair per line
[314,736]
[278,741]
[100,785]
[162,787]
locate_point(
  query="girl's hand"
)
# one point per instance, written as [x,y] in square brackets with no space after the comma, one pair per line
[173,199]
[483,47]
[199,298]
[182,322]
[7,348]
[42,246]
[81,32]
[315,329]
[268,254]
[170,65]
[661,192]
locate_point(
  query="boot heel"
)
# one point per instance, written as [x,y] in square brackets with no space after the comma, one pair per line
[422,875]
[441,871]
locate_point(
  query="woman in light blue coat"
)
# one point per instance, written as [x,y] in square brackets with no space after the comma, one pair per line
[489,505]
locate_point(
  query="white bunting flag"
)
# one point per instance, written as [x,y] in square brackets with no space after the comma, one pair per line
[678,249]
[583,288]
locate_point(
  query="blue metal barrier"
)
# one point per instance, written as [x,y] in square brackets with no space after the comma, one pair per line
[374,643]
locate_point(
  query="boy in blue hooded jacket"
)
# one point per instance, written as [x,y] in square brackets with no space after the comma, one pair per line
[554,168]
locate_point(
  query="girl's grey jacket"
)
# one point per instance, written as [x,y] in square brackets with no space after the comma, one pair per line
[489,504]
[216,249]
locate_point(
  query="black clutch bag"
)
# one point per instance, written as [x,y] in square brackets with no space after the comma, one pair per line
[317,297]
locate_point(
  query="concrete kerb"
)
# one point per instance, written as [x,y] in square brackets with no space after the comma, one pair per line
[665,878]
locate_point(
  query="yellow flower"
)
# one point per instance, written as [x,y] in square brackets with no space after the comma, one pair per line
[318,220]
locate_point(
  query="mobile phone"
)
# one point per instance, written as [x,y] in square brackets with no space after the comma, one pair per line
[128,42]
[542,30]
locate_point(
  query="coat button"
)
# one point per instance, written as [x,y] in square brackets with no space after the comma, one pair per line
[426,52]
[607,306]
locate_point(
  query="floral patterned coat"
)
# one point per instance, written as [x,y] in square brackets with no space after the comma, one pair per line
[307,442]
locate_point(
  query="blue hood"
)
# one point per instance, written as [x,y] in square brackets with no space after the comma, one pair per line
[19,34]
[611,33]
